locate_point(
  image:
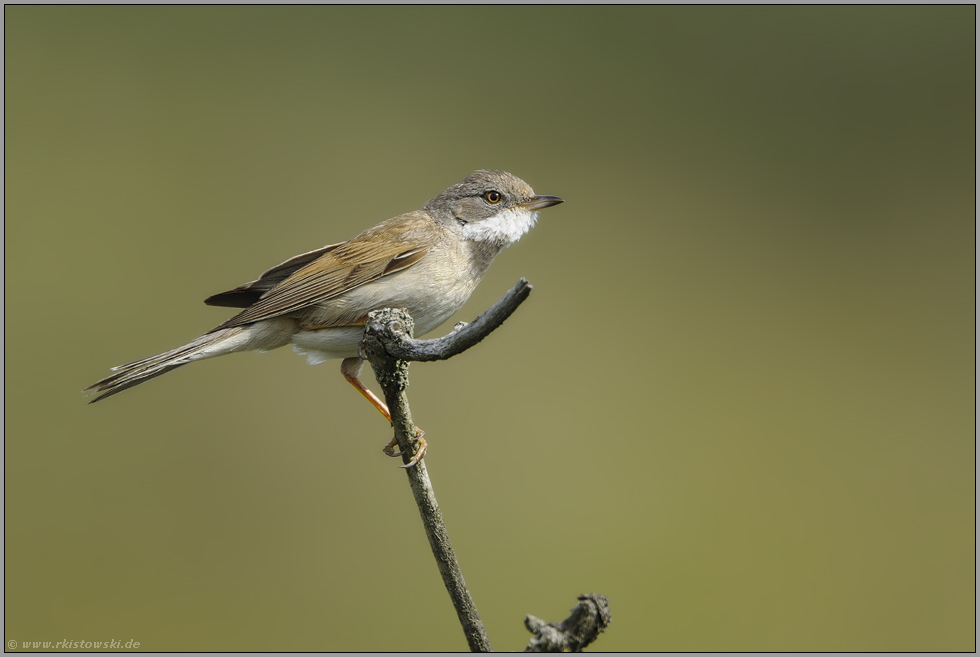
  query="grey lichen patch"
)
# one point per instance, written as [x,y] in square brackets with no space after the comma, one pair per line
[396,377]
[384,327]
[395,322]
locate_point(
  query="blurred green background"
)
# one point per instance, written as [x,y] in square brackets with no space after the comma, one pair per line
[739,402]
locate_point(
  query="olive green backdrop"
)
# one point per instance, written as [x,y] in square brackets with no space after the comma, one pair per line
[739,401]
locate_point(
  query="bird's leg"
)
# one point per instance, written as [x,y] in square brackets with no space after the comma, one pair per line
[351,369]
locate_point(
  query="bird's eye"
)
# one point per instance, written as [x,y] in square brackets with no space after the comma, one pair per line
[492,197]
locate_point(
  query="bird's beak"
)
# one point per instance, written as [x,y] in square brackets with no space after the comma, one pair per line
[539,202]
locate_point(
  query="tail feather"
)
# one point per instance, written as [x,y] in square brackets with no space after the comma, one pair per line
[131,374]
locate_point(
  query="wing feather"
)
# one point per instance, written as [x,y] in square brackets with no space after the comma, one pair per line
[245,295]
[389,247]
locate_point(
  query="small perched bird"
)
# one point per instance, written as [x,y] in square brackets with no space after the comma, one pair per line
[427,262]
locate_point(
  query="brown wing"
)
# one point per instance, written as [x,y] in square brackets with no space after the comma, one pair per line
[389,247]
[244,296]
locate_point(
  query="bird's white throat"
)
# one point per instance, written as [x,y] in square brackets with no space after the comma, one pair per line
[503,228]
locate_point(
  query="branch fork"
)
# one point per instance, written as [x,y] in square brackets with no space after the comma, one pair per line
[388,344]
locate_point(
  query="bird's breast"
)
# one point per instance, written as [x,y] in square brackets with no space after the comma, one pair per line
[431,290]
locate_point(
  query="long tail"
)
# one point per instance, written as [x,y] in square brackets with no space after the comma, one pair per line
[208,345]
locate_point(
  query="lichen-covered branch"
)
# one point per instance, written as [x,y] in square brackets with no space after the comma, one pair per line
[588,619]
[389,346]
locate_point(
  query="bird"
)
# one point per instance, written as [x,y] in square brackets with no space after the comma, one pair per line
[428,262]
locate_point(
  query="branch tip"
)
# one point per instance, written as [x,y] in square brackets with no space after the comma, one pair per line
[587,621]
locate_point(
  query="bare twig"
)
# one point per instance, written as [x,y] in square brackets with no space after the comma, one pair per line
[389,346]
[589,618]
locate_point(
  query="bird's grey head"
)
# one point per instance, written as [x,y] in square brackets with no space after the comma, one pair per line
[490,206]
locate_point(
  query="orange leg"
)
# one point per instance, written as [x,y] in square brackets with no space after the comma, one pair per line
[351,369]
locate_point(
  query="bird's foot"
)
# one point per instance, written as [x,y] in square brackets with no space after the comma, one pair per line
[389,449]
